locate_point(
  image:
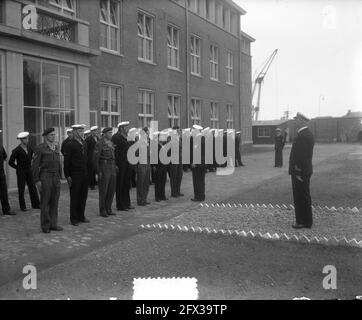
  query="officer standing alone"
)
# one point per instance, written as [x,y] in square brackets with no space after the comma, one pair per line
[46,173]
[20,160]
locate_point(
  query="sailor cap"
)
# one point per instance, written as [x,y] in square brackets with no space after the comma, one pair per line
[197,127]
[94,128]
[23,135]
[87,131]
[78,126]
[122,124]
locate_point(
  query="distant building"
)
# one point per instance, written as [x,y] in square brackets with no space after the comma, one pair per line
[347,128]
[264,131]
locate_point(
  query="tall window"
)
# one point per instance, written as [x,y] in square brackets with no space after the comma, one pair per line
[174,102]
[195,51]
[229,68]
[49,97]
[229,116]
[195,111]
[64,6]
[214,115]
[146,105]
[173,52]
[214,62]
[109,23]
[145,37]
[111,104]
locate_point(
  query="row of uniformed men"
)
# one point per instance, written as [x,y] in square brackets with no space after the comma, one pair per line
[82,159]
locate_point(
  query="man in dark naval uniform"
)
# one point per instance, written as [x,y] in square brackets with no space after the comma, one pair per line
[278,147]
[20,160]
[64,143]
[301,170]
[3,186]
[161,170]
[197,144]
[46,173]
[91,141]
[176,171]
[123,183]
[76,173]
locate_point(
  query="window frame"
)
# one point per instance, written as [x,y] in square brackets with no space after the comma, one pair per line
[214,64]
[144,116]
[144,38]
[214,118]
[109,113]
[229,67]
[194,56]
[109,26]
[64,9]
[229,116]
[173,119]
[196,120]
[173,48]
[264,132]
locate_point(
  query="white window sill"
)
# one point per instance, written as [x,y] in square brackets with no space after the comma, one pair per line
[174,69]
[230,84]
[147,62]
[115,53]
[197,75]
[215,80]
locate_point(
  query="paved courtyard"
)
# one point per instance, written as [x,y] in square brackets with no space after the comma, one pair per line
[21,241]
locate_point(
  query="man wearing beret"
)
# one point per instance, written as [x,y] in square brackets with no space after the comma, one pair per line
[91,141]
[123,183]
[76,173]
[301,170]
[46,173]
[20,160]
[105,166]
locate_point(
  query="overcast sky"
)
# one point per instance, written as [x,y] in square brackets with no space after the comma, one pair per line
[318,68]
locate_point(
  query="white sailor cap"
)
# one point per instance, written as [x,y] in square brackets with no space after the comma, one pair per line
[163,136]
[122,124]
[23,135]
[197,127]
[207,129]
[78,126]
[94,128]
[69,130]
[87,131]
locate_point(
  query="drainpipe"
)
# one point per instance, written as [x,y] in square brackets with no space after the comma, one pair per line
[187,64]
[239,80]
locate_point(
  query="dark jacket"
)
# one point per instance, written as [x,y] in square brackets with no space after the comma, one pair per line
[279,142]
[3,157]
[45,160]
[91,144]
[199,147]
[22,159]
[75,158]
[64,143]
[300,160]
[121,148]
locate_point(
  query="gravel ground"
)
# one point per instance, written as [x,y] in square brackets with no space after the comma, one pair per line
[273,221]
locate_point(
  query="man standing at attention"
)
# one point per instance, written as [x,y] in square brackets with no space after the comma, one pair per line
[301,170]
[20,160]
[91,141]
[47,172]
[123,183]
[76,173]
[105,166]
[278,147]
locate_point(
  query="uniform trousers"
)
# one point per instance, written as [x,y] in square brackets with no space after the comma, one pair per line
[78,197]
[4,192]
[143,182]
[160,181]
[123,184]
[302,201]
[176,173]
[25,177]
[106,186]
[198,180]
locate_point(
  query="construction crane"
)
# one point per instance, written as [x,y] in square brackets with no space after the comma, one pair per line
[258,83]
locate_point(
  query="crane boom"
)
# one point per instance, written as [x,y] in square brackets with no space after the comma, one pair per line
[258,83]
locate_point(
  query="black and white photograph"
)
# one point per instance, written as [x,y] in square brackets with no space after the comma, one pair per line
[180,150]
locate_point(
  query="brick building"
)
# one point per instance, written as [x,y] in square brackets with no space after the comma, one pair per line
[264,130]
[104,61]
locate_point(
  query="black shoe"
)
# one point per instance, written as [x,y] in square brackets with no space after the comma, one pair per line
[111,213]
[92,188]
[196,200]
[36,207]
[85,220]
[174,196]
[122,209]
[23,209]
[104,215]
[130,207]
[76,224]
[146,202]
[142,204]
[9,213]
[157,200]
[46,231]
[180,194]
[164,199]
[300,226]
[58,228]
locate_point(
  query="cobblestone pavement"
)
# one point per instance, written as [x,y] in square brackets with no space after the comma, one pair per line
[21,241]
